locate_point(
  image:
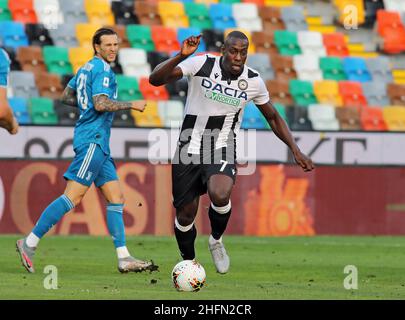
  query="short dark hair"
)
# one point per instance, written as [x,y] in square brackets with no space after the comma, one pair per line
[99,33]
[235,35]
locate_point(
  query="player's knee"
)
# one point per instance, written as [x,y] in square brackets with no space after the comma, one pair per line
[220,197]
[185,220]
[75,199]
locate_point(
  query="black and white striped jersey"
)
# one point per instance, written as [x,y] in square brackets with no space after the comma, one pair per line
[215,102]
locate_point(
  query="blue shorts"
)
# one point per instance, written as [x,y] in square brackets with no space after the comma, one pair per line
[91,164]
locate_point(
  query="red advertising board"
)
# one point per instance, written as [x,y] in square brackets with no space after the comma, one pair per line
[277,200]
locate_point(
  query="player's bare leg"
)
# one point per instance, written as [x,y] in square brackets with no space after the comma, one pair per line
[185,230]
[72,196]
[219,190]
[126,263]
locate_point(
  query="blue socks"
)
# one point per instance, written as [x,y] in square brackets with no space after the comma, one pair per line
[115,224]
[52,214]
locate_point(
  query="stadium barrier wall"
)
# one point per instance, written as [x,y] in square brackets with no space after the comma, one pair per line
[276,200]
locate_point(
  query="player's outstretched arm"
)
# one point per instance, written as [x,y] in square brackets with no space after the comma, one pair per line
[69,97]
[103,104]
[167,71]
[7,119]
[282,131]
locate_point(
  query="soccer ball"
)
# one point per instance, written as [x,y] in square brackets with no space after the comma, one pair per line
[188,275]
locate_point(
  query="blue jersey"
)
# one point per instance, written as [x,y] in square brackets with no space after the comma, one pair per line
[4,67]
[94,78]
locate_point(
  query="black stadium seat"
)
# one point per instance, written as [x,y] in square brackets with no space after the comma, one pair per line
[124,12]
[38,35]
[67,115]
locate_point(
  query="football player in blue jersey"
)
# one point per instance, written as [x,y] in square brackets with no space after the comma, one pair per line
[7,119]
[94,91]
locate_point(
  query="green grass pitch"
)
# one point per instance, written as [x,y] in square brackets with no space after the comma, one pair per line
[261,268]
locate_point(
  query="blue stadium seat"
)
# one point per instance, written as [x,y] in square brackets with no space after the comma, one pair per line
[13,34]
[253,118]
[20,110]
[221,16]
[184,33]
[356,69]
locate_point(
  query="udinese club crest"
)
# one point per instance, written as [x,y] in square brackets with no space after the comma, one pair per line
[243,84]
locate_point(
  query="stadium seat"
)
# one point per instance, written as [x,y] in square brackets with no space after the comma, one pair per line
[140,36]
[78,57]
[279,92]
[261,63]
[394,5]
[165,39]
[31,59]
[23,11]
[171,112]
[247,17]
[335,45]
[124,12]
[323,117]
[42,111]
[298,119]
[13,34]
[123,118]
[356,69]
[294,19]
[253,118]
[151,92]
[178,89]
[286,42]
[48,13]
[20,110]
[134,62]
[352,94]
[283,67]
[5,13]
[173,14]
[206,2]
[311,43]
[380,69]
[279,3]
[307,67]
[150,117]
[371,7]
[372,119]
[128,88]
[198,15]
[67,115]
[99,12]
[154,58]
[392,30]
[271,19]
[23,84]
[332,68]
[57,60]
[221,16]
[327,92]
[399,76]
[213,39]
[264,42]
[394,117]
[184,33]
[376,93]
[302,92]
[38,35]
[116,67]
[73,12]
[147,13]
[346,14]
[85,32]
[396,93]
[349,119]
[64,36]
[49,85]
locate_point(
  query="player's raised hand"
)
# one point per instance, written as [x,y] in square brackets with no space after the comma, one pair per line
[304,161]
[190,45]
[138,105]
